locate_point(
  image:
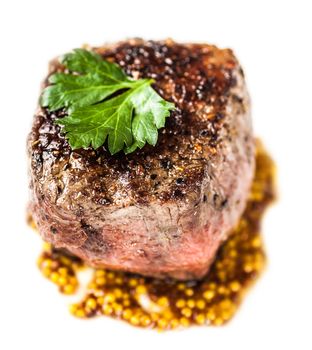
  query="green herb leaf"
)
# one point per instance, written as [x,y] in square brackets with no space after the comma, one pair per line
[85,89]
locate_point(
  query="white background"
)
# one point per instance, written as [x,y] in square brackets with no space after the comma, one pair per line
[273,41]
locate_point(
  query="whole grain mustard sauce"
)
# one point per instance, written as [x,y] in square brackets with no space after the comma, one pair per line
[169,304]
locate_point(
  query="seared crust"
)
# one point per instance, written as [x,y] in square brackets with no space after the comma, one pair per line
[202,167]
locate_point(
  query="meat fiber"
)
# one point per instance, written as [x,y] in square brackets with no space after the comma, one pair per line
[160,211]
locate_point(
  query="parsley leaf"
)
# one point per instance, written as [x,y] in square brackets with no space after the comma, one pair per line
[86,90]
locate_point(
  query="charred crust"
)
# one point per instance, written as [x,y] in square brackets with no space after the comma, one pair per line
[94,243]
[198,78]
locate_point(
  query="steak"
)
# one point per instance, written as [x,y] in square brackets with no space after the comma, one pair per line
[164,210]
